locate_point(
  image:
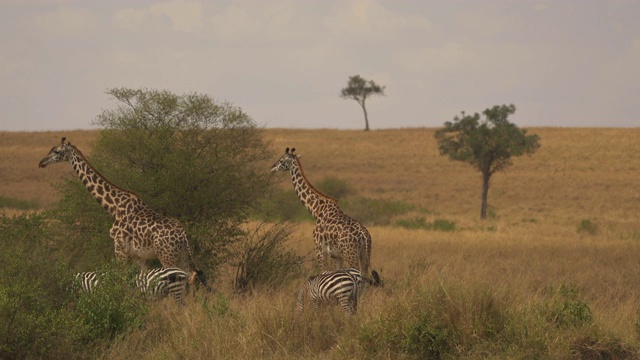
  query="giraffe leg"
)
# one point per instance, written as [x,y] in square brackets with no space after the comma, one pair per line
[350,254]
[319,250]
[120,248]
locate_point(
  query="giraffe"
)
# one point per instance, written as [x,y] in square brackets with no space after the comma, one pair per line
[139,233]
[336,235]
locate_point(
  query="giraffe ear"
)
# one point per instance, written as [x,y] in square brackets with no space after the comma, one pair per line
[298,156]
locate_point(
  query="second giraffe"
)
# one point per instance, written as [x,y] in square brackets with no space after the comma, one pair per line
[336,235]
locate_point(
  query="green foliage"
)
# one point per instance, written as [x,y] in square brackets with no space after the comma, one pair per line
[587,227]
[374,211]
[281,205]
[114,308]
[488,144]
[284,205]
[567,309]
[192,157]
[263,260]
[12,203]
[33,292]
[421,223]
[334,187]
[187,156]
[86,225]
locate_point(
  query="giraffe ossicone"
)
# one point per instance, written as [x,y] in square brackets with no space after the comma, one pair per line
[139,232]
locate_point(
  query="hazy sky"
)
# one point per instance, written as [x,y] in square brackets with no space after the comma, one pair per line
[284,62]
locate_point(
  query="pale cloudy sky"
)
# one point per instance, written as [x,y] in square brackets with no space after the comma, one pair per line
[561,62]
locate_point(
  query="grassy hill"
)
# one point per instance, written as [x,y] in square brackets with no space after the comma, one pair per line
[551,274]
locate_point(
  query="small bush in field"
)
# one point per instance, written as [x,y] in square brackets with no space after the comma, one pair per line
[428,339]
[587,227]
[9,202]
[567,308]
[335,187]
[421,223]
[114,307]
[264,260]
[374,211]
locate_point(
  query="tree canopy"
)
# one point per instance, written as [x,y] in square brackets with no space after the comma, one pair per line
[359,90]
[187,156]
[487,144]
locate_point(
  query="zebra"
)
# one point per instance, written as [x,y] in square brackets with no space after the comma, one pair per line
[361,279]
[160,282]
[332,287]
[153,283]
[87,281]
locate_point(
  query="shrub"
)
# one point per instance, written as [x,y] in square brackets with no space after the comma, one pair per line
[567,309]
[374,211]
[34,292]
[263,259]
[335,187]
[587,227]
[114,307]
[12,203]
[421,223]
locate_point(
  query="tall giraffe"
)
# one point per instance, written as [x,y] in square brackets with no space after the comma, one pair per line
[336,235]
[139,233]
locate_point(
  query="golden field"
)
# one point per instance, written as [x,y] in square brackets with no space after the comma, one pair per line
[530,243]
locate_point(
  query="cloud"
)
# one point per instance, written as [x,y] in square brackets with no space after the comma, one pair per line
[185,16]
[66,22]
[370,18]
[130,19]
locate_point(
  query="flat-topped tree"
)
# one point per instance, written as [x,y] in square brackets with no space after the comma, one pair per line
[487,144]
[359,90]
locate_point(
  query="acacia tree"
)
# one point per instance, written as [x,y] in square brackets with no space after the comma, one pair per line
[487,144]
[359,90]
[188,156]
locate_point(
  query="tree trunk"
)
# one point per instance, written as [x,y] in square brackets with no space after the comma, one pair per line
[485,193]
[366,118]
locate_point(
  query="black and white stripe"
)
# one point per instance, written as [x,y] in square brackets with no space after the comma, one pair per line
[160,282]
[331,287]
[87,281]
[153,283]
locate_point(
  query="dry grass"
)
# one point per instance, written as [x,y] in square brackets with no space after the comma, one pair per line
[530,245]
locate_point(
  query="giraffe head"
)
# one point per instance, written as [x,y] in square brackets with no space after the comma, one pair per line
[284,164]
[58,154]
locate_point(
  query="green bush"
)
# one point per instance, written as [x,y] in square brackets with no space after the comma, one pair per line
[567,309]
[281,205]
[374,211]
[263,259]
[36,322]
[421,223]
[587,227]
[115,306]
[12,203]
[335,187]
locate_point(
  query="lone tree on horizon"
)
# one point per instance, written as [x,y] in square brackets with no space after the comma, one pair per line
[359,90]
[487,144]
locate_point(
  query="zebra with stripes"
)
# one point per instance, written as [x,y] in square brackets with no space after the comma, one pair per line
[154,283]
[332,287]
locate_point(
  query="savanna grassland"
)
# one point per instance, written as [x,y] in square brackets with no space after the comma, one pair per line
[552,273]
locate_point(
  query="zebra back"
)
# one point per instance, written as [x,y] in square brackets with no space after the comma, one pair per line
[87,281]
[160,282]
[331,287]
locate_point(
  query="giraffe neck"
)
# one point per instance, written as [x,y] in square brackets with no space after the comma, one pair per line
[314,200]
[108,195]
